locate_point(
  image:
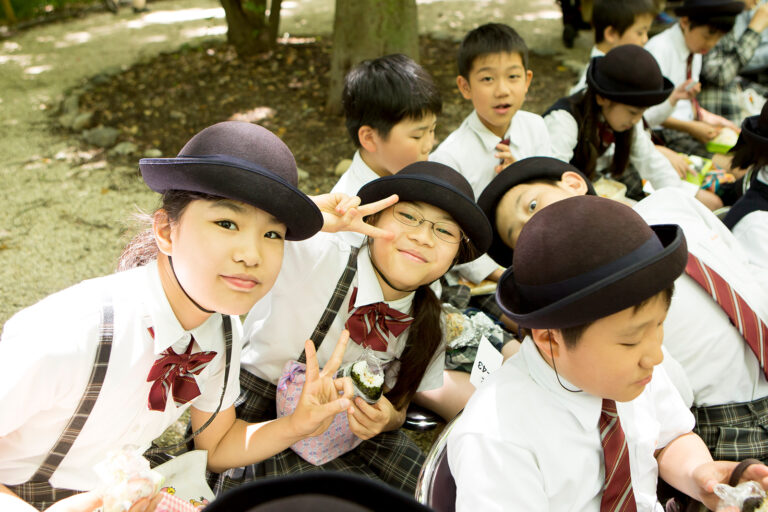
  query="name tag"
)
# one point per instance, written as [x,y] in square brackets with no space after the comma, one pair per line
[488,360]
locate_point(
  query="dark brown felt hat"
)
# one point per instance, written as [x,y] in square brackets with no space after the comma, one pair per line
[241,161]
[708,8]
[754,130]
[520,172]
[439,185]
[629,74]
[585,258]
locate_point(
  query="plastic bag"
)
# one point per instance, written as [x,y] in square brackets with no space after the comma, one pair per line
[748,496]
[126,478]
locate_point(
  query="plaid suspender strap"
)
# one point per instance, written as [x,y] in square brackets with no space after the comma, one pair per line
[332,309]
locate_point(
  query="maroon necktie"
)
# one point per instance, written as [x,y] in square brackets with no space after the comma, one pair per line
[617,491]
[174,372]
[752,328]
[688,76]
[371,325]
[504,141]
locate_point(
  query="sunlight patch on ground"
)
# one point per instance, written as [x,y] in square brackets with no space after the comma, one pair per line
[550,14]
[36,70]
[154,39]
[204,31]
[21,60]
[180,16]
[72,39]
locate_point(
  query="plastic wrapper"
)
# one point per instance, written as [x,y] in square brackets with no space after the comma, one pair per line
[462,333]
[747,496]
[126,478]
[367,375]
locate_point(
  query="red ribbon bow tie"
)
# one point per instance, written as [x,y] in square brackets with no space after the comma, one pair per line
[175,372]
[607,137]
[371,325]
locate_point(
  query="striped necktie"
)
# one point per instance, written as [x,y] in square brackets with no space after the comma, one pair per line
[752,328]
[371,325]
[688,76]
[617,491]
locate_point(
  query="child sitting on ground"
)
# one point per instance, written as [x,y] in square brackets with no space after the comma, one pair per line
[583,416]
[599,129]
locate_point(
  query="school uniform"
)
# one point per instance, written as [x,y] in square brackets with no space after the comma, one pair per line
[541,444]
[748,220]
[672,54]
[46,357]
[357,175]
[644,159]
[724,373]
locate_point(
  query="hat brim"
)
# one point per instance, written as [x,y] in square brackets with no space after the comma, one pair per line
[613,293]
[634,98]
[233,178]
[503,183]
[725,8]
[422,187]
[750,130]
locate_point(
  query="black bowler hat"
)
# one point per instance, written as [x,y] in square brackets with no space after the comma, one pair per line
[318,491]
[520,172]
[706,8]
[754,129]
[241,161]
[585,258]
[629,74]
[441,186]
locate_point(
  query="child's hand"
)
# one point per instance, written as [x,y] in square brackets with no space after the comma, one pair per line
[320,399]
[759,21]
[678,161]
[716,120]
[716,472]
[369,420]
[685,91]
[504,155]
[344,213]
[703,132]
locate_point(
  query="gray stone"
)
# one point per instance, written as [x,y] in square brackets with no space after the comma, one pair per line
[71,105]
[82,121]
[303,175]
[573,65]
[153,153]
[67,120]
[342,167]
[100,79]
[124,149]
[103,137]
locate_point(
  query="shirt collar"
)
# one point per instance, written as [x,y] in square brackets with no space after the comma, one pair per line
[369,289]
[360,169]
[678,43]
[487,137]
[585,407]
[168,332]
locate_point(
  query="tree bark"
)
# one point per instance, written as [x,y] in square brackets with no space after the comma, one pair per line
[366,29]
[248,28]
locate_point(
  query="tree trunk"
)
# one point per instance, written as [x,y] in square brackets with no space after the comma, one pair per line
[366,29]
[248,28]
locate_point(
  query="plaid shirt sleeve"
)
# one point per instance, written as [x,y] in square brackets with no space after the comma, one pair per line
[723,62]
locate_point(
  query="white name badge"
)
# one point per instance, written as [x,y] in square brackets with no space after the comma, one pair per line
[488,360]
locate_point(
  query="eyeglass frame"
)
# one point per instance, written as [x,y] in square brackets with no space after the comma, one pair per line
[423,219]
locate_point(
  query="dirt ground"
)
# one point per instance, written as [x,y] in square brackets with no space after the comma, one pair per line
[161,76]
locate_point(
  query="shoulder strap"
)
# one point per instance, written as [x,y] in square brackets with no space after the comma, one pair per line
[227,325]
[87,401]
[332,309]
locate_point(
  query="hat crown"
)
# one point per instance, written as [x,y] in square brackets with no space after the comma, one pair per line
[629,67]
[246,141]
[439,172]
[762,124]
[576,236]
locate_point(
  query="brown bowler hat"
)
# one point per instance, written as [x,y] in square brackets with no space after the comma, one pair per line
[585,258]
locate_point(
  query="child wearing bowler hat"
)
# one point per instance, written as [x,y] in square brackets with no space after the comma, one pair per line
[385,301]
[113,361]
[599,129]
[748,218]
[722,375]
[679,50]
[583,416]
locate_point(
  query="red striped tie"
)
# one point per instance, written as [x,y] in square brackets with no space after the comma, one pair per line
[688,75]
[175,373]
[371,325]
[752,328]
[617,492]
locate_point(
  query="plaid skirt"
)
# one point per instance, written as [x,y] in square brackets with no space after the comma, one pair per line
[391,457]
[734,431]
[40,494]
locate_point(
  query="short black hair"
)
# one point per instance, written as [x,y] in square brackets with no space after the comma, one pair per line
[490,38]
[720,23]
[572,335]
[382,92]
[619,14]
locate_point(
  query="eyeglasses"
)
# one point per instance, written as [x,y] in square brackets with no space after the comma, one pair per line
[446,231]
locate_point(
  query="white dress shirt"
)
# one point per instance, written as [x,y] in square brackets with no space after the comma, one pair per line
[582,83]
[650,164]
[721,367]
[671,52]
[525,443]
[46,357]
[279,324]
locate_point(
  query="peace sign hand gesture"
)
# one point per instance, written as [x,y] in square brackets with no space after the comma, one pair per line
[344,213]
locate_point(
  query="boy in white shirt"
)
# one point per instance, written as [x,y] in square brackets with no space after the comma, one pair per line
[582,416]
[678,51]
